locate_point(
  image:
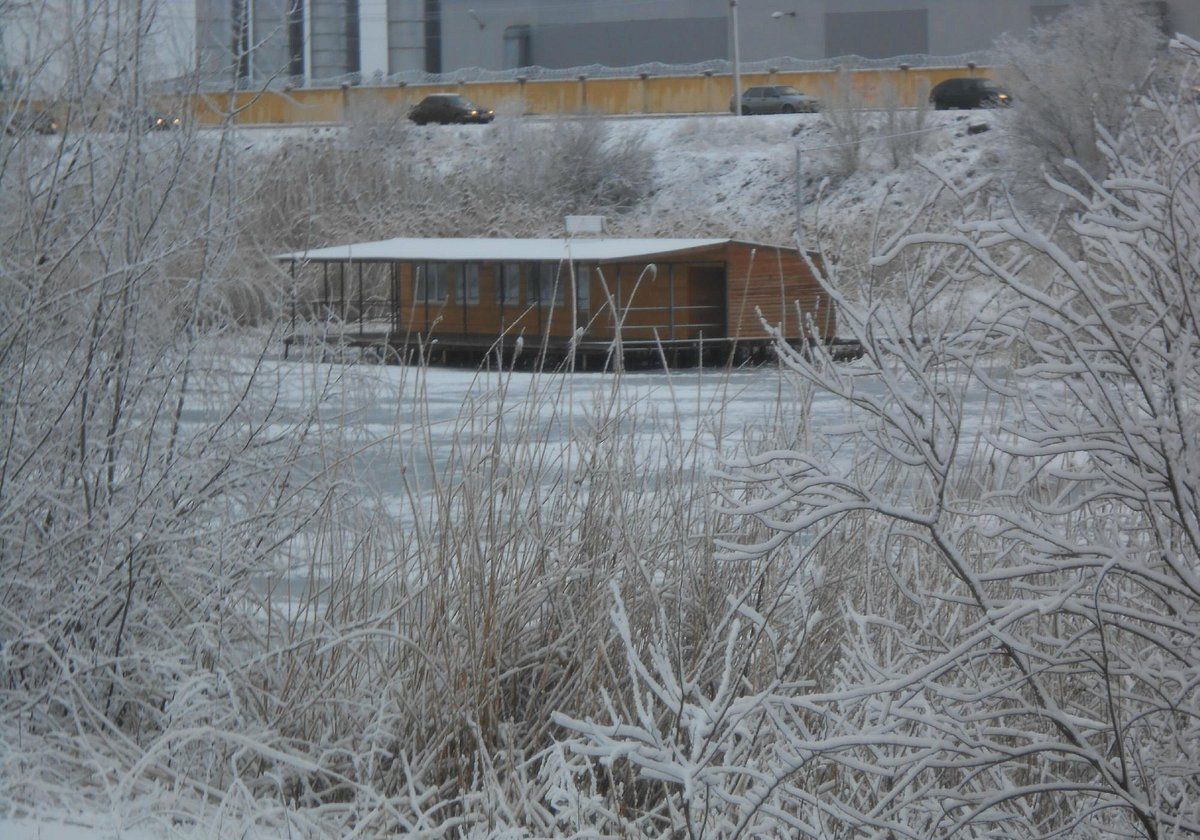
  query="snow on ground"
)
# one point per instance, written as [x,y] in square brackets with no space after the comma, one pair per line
[55,829]
[155,824]
[414,419]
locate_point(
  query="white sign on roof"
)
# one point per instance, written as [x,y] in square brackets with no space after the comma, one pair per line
[584,224]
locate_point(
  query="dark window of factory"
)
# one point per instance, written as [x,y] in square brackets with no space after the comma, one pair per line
[353,64]
[516,47]
[295,24]
[433,36]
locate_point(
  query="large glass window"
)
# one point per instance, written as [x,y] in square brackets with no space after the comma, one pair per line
[467,291]
[508,284]
[431,283]
[583,287]
[546,287]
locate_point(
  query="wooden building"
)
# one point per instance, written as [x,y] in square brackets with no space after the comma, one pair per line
[463,295]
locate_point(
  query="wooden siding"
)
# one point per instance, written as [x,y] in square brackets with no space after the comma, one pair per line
[774,281]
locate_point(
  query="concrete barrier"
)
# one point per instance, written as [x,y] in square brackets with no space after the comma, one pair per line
[646,94]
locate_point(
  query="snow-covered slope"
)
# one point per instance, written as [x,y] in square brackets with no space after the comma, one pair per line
[724,176]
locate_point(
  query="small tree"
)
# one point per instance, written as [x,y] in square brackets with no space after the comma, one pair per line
[1074,77]
[904,129]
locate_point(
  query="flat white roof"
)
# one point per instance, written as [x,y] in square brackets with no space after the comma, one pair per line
[515,250]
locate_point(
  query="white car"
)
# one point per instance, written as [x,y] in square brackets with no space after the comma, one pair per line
[775,99]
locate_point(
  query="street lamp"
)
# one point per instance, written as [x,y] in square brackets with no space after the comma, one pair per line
[737,59]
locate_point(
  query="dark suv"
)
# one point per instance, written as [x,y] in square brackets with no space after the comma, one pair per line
[446,108]
[29,119]
[968,92]
[775,99]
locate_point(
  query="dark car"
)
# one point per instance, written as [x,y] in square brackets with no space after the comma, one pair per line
[30,120]
[164,122]
[775,99]
[968,92]
[446,108]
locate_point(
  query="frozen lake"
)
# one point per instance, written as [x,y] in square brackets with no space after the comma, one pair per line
[396,430]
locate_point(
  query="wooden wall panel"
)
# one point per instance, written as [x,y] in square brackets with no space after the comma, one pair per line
[774,280]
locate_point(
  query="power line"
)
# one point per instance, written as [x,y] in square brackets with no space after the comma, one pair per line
[868,139]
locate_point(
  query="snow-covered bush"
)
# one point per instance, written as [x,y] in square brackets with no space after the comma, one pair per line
[1074,77]
[1023,659]
[848,121]
[590,166]
[904,129]
[383,178]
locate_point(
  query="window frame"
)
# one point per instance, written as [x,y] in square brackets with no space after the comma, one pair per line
[583,287]
[508,289]
[536,287]
[423,284]
[466,284]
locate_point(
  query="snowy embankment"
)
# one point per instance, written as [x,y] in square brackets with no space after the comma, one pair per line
[725,176]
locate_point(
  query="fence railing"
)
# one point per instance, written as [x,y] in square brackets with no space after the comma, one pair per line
[716,67]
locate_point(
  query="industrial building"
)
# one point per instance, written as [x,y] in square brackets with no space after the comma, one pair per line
[251,42]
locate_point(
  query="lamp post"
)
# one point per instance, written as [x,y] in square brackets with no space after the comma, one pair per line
[737,59]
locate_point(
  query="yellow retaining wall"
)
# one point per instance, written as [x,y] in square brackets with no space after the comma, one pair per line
[637,95]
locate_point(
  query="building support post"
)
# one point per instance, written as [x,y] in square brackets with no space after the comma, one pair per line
[499,281]
[618,326]
[361,301]
[287,344]
[395,299]
[671,301]
[538,302]
[671,313]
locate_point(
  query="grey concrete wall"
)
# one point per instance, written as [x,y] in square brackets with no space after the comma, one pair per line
[954,26]
[1185,16]
[466,44]
[581,32]
[877,34]
[624,43]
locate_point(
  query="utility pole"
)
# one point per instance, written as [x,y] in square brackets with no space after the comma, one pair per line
[737,59]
